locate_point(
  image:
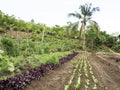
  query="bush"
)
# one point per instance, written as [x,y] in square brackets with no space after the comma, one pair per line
[53,59]
[59,49]
[116,48]
[2,30]
[9,46]
[41,51]
[46,50]
[6,65]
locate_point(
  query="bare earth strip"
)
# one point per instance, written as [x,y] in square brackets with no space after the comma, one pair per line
[106,71]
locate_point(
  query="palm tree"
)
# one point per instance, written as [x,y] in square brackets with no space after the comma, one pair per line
[72,28]
[84,16]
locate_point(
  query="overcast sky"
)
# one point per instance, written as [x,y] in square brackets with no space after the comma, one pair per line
[52,12]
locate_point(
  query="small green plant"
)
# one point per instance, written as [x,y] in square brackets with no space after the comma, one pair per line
[73,62]
[67,87]
[5,64]
[46,50]
[53,59]
[77,86]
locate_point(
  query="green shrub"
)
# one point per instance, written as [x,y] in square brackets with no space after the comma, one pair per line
[26,53]
[116,48]
[32,45]
[9,46]
[41,51]
[46,50]
[53,59]
[23,46]
[6,65]
[19,63]
[59,49]
[1,30]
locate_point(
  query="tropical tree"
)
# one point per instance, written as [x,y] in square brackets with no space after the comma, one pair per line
[84,15]
[90,37]
[72,28]
[119,38]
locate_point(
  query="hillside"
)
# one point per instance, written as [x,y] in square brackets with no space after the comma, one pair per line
[75,56]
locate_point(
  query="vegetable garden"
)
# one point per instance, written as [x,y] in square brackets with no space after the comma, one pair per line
[77,56]
[96,72]
[82,69]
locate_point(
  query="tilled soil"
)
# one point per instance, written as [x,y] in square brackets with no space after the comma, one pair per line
[54,80]
[107,72]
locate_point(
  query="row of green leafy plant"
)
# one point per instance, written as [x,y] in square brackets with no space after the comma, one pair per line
[82,64]
[68,86]
[79,81]
[14,65]
[21,80]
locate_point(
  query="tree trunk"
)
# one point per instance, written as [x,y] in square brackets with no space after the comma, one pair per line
[43,35]
[92,43]
[84,38]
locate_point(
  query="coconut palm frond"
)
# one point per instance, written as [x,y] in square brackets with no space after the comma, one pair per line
[96,29]
[95,9]
[76,14]
[82,8]
[73,27]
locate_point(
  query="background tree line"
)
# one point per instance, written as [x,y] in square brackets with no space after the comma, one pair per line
[70,30]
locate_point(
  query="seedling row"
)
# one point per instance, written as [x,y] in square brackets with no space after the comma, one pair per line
[85,76]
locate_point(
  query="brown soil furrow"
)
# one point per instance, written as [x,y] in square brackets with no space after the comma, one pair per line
[105,79]
[55,80]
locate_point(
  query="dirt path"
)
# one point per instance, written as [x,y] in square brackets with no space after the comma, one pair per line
[54,80]
[106,71]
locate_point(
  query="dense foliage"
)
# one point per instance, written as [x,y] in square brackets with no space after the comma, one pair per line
[94,43]
[8,22]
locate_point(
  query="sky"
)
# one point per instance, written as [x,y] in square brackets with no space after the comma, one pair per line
[55,12]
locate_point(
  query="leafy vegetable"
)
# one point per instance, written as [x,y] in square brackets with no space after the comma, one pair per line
[23,79]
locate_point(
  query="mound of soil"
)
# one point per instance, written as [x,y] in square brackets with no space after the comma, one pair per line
[18,34]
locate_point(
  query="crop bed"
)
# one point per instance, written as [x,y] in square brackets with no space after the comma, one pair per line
[82,76]
[23,79]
